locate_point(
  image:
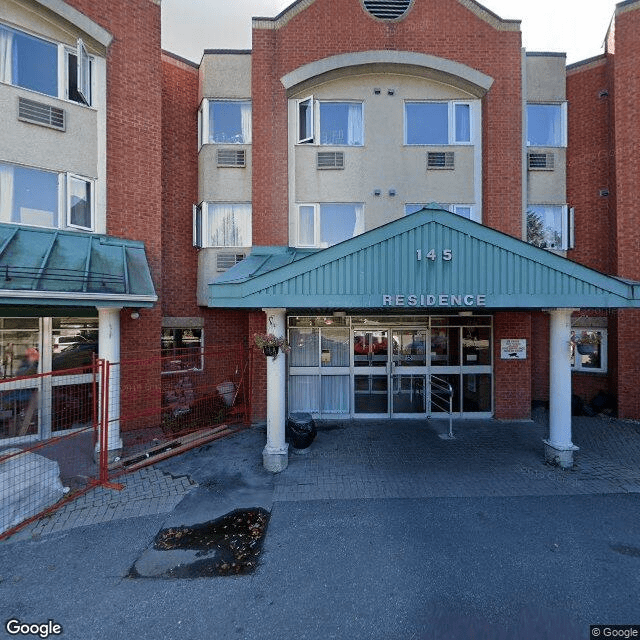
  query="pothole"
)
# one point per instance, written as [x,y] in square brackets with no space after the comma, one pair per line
[230,545]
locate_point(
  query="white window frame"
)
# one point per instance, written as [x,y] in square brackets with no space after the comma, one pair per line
[310,127]
[566,230]
[451,123]
[85,62]
[563,124]
[317,206]
[91,183]
[576,364]
[201,225]
[318,119]
[182,370]
[453,208]
[204,122]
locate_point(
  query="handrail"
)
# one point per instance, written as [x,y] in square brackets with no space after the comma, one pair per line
[443,390]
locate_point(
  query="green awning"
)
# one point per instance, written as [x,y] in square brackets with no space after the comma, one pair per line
[53,267]
[429,259]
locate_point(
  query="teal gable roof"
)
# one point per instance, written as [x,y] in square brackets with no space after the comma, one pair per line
[48,266]
[473,266]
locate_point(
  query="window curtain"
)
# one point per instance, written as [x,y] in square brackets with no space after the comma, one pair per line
[229,225]
[6,193]
[354,125]
[463,123]
[335,394]
[304,394]
[7,55]
[359,225]
[304,348]
[245,116]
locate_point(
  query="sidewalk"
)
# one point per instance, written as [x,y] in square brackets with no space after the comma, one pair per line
[377,459]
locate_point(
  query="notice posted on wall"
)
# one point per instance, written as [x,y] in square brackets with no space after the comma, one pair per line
[513,349]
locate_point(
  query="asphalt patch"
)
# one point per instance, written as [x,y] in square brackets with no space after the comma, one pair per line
[229,545]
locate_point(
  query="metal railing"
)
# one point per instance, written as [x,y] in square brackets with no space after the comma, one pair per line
[442,398]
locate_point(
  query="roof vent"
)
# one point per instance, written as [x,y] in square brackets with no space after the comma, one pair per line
[387,9]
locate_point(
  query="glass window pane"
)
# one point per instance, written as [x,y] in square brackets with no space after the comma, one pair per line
[586,349]
[412,208]
[335,348]
[306,235]
[80,203]
[230,122]
[409,394]
[35,197]
[445,347]
[476,393]
[304,347]
[463,123]
[34,63]
[339,222]
[476,346]
[229,225]
[544,226]
[181,348]
[427,122]
[305,120]
[74,341]
[340,123]
[370,393]
[335,394]
[544,125]
[304,394]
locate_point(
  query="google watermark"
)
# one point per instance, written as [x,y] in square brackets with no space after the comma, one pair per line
[614,631]
[15,627]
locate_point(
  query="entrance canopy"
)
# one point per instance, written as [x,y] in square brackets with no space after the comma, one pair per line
[432,259]
[52,267]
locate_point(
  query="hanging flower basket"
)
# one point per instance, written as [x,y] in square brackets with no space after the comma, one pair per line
[271,344]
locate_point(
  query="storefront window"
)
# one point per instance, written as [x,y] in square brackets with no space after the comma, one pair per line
[589,350]
[74,342]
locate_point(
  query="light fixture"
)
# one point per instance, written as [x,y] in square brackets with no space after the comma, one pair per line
[392,192]
[135,314]
[377,192]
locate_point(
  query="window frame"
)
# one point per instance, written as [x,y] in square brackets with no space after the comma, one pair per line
[84,67]
[317,223]
[566,224]
[165,359]
[576,365]
[451,207]
[91,185]
[451,123]
[201,215]
[563,124]
[309,121]
[204,120]
[312,134]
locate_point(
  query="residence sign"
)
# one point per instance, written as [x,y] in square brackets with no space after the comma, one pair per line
[434,300]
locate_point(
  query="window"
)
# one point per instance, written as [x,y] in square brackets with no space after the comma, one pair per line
[182,349]
[440,123]
[222,225]
[323,225]
[548,226]
[35,197]
[547,125]
[226,121]
[33,63]
[464,210]
[339,123]
[589,349]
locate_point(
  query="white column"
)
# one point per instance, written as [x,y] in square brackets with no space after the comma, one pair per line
[109,349]
[559,448]
[275,456]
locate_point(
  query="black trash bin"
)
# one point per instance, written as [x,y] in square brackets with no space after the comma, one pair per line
[300,430]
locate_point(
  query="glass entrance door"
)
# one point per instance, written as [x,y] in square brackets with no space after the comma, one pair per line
[409,372]
[371,372]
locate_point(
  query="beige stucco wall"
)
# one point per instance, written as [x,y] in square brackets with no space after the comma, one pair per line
[225,75]
[223,184]
[549,187]
[384,162]
[546,78]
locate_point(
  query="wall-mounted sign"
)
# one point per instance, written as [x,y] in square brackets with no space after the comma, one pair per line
[513,349]
[432,300]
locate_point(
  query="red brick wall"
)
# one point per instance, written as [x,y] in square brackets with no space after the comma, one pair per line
[589,166]
[134,159]
[179,186]
[443,28]
[257,323]
[626,89]
[512,378]
[539,353]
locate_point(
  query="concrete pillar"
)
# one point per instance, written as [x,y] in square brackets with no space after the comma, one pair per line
[109,349]
[559,448]
[275,456]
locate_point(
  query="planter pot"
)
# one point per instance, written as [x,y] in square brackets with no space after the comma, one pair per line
[587,349]
[300,430]
[270,351]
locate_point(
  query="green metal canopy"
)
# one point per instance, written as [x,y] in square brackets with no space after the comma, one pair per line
[53,267]
[432,259]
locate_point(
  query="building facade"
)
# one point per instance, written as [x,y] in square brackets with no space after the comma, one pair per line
[397,187]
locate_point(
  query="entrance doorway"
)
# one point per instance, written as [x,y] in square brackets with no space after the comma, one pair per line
[381,367]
